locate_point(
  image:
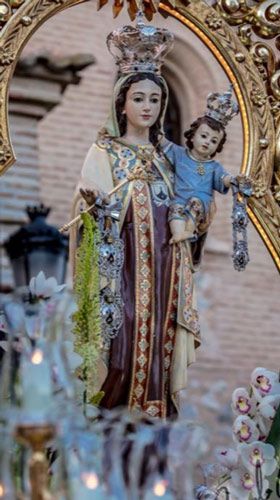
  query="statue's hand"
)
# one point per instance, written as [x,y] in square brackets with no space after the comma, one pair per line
[183,236]
[92,195]
[243,183]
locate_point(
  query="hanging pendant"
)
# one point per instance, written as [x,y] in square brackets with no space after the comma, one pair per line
[200,169]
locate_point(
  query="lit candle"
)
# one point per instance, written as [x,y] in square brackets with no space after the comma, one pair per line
[86,487]
[36,380]
[159,490]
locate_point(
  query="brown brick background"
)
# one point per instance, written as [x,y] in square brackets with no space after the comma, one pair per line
[239,311]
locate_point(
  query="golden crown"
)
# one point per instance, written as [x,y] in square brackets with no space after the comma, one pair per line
[221,107]
[139,48]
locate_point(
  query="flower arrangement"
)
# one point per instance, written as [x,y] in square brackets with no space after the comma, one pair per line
[170,453]
[247,470]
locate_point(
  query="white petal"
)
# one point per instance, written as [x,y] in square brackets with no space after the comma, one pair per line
[4,344]
[40,283]
[50,286]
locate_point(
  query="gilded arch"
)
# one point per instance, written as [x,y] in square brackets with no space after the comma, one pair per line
[251,67]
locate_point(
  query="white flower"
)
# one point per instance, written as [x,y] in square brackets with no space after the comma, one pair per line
[243,483]
[258,453]
[43,288]
[265,414]
[242,403]
[245,430]
[263,425]
[264,382]
[4,345]
[227,457]
[268,406]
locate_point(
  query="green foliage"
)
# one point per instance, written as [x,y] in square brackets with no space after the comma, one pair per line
[87,325]
[274,439]
[95,400]
[274,435]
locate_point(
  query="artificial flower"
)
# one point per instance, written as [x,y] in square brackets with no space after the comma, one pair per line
[245,430]
[268,406]
[265,382]
[227,457]
[258,453]
[265,414]
[44,288]
[242,403]
[4,345]
[243,483]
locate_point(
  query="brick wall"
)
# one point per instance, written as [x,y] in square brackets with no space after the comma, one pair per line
[239,311]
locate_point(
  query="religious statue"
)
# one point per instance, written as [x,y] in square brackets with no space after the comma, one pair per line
[133,164]
[197,174]
[156,341]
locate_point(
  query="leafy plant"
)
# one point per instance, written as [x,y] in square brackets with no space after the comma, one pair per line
[87,325]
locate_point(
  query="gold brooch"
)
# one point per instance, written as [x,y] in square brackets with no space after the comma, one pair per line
[200,169]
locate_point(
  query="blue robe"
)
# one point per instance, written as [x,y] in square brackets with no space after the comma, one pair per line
[189,183]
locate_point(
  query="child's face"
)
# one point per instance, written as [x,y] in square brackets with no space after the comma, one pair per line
[205,141]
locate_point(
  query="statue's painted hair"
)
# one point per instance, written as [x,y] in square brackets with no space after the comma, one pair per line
[214,124]
[155,130]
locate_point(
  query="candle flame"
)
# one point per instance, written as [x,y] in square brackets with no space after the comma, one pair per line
[160,488]
[2,490]
[37,357]
[91,480]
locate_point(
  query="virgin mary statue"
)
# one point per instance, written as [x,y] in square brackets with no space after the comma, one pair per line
[148,359]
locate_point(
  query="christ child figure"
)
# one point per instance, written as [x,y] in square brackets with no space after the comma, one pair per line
[198,174]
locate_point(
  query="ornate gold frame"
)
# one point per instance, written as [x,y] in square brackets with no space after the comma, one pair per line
[250,66]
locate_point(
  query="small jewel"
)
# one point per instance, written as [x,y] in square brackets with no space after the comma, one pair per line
[200,169]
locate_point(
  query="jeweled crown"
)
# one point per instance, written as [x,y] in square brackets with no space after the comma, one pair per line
[221,107]
[139,48]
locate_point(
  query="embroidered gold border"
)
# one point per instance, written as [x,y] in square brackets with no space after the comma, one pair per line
[173,294]
[151,350]
[141,188]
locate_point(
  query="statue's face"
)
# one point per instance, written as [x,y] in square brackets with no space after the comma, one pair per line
[142,105]
[205,141]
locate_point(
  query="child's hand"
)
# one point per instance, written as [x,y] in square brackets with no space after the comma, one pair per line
[227,180]
[243,183]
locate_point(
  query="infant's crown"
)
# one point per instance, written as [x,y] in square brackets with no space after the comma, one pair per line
[221,107]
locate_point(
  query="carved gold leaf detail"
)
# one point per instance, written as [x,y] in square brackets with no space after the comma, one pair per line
[258,97]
